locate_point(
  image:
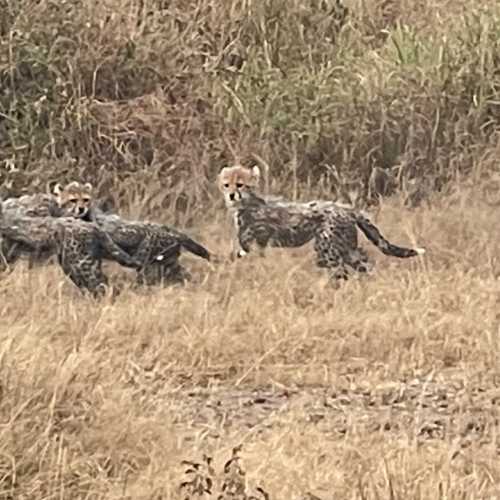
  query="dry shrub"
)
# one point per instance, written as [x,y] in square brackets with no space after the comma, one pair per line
[119,90]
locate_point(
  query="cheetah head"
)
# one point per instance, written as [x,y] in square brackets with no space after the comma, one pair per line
[236,183]
[74,199]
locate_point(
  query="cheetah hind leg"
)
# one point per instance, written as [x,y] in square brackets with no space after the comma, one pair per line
[160,264]
[164,269]
[10,253]
[38,258]
[330,258]
[341,264]
[163,274]
[358,260]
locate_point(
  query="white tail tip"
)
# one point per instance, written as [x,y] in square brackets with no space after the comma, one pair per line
[420,251]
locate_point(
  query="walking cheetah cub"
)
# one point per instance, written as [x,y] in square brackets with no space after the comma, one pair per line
[79,246]
[157,247]
[280,223]
[73,200]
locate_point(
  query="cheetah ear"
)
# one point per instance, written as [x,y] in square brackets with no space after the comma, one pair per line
[88,186]
[222,170]
[57,189]
[255,173]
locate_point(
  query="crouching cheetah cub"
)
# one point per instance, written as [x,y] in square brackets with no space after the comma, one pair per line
[280,223]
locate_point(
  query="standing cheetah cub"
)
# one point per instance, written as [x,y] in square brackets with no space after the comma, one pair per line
[280,223]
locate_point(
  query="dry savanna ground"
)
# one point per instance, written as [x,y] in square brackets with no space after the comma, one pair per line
[387,387]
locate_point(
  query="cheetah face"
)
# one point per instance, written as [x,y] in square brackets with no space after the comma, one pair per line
[74,200]
[236,183]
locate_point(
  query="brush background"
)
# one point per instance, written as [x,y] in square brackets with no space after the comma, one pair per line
[386,387]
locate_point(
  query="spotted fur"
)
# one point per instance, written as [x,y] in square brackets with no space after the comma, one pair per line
[35,205]
[73,199]
[280,223]
[79,246]
[157,247]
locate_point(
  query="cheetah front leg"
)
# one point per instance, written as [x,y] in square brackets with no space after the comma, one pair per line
[246,237]
[241,247]
[237,250]
[83,270]
[243,238]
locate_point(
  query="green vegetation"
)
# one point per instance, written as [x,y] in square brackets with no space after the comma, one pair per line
[172,91]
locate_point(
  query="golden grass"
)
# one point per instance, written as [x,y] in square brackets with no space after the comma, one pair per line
[384,388]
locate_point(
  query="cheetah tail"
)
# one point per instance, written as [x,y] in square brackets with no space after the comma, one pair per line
[195,248]
[386,247]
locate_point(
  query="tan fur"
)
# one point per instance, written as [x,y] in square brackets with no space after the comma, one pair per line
[235,181]
[75,199]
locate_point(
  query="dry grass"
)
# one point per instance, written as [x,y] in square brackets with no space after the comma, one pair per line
[167,93]
[387,387]
[384,388]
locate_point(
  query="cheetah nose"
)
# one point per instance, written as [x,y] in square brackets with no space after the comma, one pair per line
[231,196]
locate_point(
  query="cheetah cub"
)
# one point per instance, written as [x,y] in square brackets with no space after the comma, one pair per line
[79,246]
[73,200]
[280,223]
[157,247]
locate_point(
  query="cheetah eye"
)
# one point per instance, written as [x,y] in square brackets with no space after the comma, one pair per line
[86,200]
[72,200]
[239,185]
[226,185]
